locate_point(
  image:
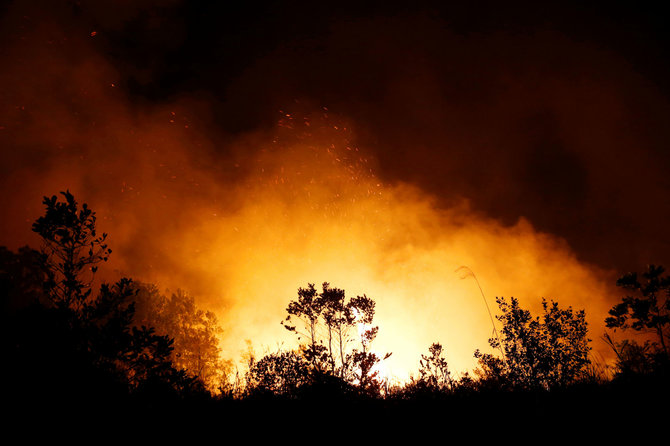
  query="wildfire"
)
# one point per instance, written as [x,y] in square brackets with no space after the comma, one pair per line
[308,212]
[307,207]
[241,222]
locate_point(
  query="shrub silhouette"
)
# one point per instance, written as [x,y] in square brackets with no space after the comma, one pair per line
[538,353]
[281,374]
[433,370]
[434,378]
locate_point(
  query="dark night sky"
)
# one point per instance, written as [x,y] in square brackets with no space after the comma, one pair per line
[556,112]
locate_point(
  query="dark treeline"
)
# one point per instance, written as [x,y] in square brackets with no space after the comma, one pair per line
[129,348]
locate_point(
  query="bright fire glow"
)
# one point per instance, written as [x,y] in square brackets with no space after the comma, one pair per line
[242,220]
[311,210]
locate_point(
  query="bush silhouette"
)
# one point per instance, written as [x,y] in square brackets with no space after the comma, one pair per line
[544,353]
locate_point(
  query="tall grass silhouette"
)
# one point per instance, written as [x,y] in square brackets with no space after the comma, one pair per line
[466,272]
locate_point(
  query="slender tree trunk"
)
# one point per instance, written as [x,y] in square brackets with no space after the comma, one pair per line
[342,365]
[312,329]
[330,348]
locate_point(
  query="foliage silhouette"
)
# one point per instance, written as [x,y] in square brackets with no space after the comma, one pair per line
[66,346]
[277,374]
[545,353]
[195,332]
[329,322]
[434,380]
[434,370]
[633,358]
[71,347]
[648,314]
[70,248]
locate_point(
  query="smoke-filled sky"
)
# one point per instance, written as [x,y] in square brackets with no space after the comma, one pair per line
[240,151]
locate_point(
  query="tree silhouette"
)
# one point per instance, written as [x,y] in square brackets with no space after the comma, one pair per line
[71,248]
[329,322]
[539,353]
[647,313]
[74,346]
[309,308]
[195,331]
[143,356]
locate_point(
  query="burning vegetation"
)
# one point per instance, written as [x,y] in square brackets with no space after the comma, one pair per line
[130,343]
[233,209]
